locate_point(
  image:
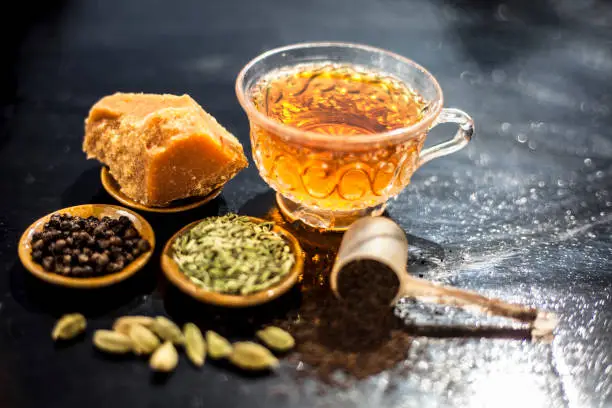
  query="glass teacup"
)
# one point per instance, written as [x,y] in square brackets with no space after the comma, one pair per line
[337,129]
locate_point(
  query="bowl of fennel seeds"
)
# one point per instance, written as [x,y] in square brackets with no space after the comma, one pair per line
[233,260]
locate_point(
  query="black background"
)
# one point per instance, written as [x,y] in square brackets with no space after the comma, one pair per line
[523,213]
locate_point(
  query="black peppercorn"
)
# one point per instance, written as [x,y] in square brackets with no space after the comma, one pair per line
[78,270]
[130,233]
[37,255]
[76,246]
[99,230]
[60,244]
[113,267]
[47,262]
[103,260]
[143,245]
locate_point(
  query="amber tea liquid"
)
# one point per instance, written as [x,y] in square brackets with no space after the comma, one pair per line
[338,100]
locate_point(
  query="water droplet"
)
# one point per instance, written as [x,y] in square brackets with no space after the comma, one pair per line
[541,184]
[505,127]
[599,174]
[588,162]
[521,137]
[561,183]
[532,144]
[521,201]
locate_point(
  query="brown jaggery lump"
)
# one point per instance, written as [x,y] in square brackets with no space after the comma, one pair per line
[161,148]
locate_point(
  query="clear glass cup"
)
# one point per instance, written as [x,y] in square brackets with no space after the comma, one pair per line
[328,181]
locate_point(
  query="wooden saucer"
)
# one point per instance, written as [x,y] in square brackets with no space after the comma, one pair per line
[179,279]
[99,211]
[112,187]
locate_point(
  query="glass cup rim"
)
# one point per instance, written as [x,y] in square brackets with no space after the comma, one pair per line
[304,135]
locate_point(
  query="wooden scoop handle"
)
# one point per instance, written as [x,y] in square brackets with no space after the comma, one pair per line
[427,291]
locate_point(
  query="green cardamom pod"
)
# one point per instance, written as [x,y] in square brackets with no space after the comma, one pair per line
[218,346]
[112,341]
[252,356]
[69,326]
[165,358]
[195,346]
[122,324]
[145,342]
[167,330]
[276,338]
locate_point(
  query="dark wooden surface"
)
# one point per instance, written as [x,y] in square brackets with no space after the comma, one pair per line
[524,213]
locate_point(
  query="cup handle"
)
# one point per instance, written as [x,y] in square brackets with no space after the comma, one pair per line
[462,137]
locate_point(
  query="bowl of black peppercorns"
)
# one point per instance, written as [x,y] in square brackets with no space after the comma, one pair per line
[87,246]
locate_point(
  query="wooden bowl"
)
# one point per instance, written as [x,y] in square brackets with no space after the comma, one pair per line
[99,211]
[179,279]
[112,187]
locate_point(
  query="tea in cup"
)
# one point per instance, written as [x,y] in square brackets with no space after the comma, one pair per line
[337,129]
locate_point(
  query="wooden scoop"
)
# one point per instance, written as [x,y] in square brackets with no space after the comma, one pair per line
[382,240]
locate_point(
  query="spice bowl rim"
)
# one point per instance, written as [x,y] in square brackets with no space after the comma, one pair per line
[84,210]
[112,188]
[181,281]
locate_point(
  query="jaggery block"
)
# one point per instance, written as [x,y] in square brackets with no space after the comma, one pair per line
[161,148]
